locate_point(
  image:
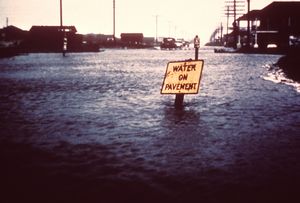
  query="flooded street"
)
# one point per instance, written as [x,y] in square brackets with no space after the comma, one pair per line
[93,127]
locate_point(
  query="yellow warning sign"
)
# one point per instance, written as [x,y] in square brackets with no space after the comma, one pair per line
[182,77]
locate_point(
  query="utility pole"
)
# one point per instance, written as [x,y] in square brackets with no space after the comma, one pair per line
[234,9]
[156,24]
[227,20]
[114,21]
[248,24]
[235,25]
[61,19]
[64,38]
[221,34]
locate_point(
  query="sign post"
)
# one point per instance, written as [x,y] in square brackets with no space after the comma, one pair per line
[179,100]
[182,77]
[196,46]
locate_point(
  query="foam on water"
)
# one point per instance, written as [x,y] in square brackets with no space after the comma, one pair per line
[276,75]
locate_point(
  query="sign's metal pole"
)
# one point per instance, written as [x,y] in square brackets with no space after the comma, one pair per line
[179,101]
[196,46]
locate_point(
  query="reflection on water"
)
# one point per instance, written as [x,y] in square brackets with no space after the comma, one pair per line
[99,118]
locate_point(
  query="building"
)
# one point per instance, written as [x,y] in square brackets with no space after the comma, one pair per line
[101,40]
[12,36]
[273,26]
[51,38]
[132,39]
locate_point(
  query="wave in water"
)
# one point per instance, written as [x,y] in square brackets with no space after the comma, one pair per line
[277,75]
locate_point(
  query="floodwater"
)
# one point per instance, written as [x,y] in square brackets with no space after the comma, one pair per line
[93,127]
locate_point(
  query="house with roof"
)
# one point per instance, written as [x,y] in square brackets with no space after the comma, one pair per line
[275,25]
[51,38]
[12,36]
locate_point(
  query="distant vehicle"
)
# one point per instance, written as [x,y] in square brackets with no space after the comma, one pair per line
[168,43]
[179,43]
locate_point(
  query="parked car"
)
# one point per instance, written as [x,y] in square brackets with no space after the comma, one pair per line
[168,43]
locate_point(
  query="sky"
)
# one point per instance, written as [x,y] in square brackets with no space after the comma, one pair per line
[176,18]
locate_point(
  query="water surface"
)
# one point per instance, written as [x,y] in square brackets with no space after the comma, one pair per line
[92,125]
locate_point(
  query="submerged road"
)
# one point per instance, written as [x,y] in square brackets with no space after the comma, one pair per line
[93,127]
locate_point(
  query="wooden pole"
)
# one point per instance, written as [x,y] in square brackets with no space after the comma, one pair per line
[248,24]
[62,30]
[179,101]
[235,29]
[156,22]
[114,21]
[61,19]
[196,53]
